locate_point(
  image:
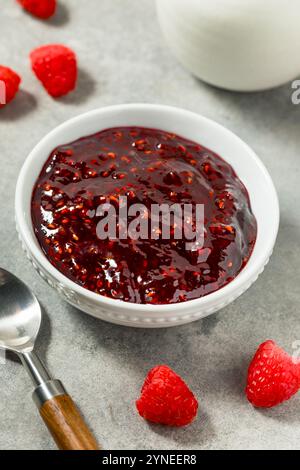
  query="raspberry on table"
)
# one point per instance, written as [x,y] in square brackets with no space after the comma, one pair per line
[43,9]
[55,66]
[273,376]
[9,85]
[166,399]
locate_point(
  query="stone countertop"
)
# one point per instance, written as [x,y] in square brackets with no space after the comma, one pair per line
[123,58]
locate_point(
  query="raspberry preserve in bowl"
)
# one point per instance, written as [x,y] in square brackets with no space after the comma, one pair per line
[149,167]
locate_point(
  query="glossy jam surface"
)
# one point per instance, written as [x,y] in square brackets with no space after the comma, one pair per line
[149,167]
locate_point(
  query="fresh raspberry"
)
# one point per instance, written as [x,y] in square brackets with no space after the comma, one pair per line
[9,85]
[56,67]
[40,8]
[273,376]
[166,399]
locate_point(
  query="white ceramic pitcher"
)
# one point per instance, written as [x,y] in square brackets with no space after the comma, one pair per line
[242,45]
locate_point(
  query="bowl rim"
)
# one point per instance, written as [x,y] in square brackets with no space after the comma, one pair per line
[27,235]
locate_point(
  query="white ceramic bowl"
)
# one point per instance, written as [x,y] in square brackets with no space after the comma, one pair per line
[192,126]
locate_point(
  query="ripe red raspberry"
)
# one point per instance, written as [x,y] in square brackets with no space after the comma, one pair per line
[166,399]
[9,85]
[40,8]
[273,376]
[56,67]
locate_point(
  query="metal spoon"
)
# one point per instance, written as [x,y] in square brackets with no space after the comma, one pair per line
[20,320]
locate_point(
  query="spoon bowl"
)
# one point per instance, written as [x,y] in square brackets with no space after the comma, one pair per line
[20,314]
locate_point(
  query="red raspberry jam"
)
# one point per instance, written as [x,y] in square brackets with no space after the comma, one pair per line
[148,166]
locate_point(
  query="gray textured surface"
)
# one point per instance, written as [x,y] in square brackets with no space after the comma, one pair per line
[123,58]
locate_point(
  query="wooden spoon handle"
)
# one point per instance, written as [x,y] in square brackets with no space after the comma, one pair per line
[66,424]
